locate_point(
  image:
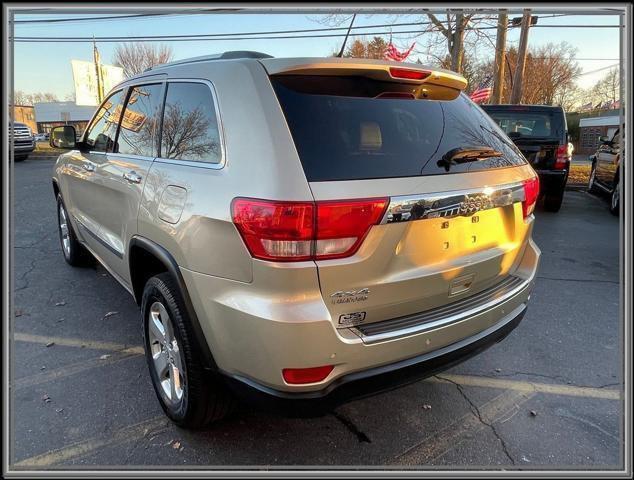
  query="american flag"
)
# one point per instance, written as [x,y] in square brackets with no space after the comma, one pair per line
[483,92]
[391,53]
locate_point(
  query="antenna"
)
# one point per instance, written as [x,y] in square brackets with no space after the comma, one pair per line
[346,39]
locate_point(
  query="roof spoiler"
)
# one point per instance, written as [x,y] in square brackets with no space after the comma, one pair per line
[388,71]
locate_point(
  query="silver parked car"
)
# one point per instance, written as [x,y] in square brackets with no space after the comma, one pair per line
[300,231]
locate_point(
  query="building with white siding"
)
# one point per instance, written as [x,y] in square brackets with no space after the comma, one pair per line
[53,114]
[590,129]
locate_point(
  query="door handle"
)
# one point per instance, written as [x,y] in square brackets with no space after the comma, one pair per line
[132,177]
[89,167]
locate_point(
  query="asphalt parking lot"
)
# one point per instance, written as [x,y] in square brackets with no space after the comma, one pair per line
[549,396]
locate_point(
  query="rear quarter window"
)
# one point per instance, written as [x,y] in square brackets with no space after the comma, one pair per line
[190,125]
[342,131]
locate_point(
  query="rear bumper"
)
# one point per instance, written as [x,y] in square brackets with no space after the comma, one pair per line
[254,335]
[552,181]
[375,380]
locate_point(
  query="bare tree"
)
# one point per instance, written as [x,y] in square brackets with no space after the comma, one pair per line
[551,71]
[135,58]
[608,89]
[185,134]
[571,97]
[453,28]
[445,35]
[22,98]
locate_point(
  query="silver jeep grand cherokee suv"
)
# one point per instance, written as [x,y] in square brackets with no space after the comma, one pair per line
[300,231]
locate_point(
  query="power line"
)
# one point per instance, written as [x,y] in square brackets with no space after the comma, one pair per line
[61,20]
[237,34]
[595,71]
[119,17]
[233,36]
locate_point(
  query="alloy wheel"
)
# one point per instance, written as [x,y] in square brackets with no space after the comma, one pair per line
[64,231]
[166,354]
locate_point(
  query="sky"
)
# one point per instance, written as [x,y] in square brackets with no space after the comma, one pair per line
[46,67]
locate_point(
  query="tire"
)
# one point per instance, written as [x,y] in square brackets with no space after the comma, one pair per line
[592,186]
[189,395]
[615,199]
[553,201]
[74,252]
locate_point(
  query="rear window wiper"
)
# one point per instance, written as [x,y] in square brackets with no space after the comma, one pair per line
[468,154]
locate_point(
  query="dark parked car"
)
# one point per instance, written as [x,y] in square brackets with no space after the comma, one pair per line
[605,169]
[540,132]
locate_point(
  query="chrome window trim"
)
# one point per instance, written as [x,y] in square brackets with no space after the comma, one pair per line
[131,156]
[221,130]
[458,317]
[452,203]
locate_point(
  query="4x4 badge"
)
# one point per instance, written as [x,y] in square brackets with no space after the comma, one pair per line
[350,296]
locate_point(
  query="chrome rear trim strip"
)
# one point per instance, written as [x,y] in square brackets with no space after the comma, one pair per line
[453,203]
[441,316]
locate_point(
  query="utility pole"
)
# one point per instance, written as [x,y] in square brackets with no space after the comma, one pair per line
[96,59]
[500,52]
[518,77]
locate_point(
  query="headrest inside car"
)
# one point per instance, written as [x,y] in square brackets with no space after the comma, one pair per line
[370,134]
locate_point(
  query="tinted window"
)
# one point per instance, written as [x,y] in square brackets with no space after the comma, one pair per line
[101,134]
[140,124]
[518,123]
[190,127]
[346,135]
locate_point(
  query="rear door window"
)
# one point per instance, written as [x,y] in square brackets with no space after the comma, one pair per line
[140,124]
[190,125]
[353,128]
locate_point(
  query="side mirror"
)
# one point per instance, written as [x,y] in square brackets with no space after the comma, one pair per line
[605,140]
[63,137]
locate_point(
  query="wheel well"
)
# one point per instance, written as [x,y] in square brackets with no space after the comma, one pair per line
[55,188]
[143,266]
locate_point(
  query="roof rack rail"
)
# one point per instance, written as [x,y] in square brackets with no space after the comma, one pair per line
[216,56]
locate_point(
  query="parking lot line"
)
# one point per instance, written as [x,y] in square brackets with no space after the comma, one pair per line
[505,405]
[86,447]
[74,342]
[522,386]
[467,380]
[78,367]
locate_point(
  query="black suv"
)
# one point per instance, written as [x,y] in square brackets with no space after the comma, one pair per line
[540,132]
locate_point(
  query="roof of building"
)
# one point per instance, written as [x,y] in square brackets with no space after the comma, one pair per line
[609,121]
[60,111]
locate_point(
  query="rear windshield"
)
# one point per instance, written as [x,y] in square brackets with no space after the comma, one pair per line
[529,124]
[343,132]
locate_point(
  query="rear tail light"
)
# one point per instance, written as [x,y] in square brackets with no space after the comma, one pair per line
[531,193]
[306,375]
[409,74]
[562,158]
[296,231]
